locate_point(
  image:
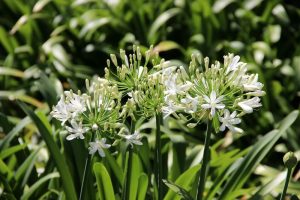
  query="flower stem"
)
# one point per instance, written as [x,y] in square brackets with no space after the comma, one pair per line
[128,171]
[86,173]
[126,189]
[287,180]
[205,163]
[158,158]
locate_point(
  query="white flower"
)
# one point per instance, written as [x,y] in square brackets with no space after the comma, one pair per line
[213,103]
[61,112]
[169,108]
[174,88]
[76,131]
[76,103]
[133,139]
[228,120]
[190,103]
[98,145]
[249,104]
[233,65]
[251,83]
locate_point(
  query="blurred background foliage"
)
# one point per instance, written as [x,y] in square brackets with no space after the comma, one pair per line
[47,46]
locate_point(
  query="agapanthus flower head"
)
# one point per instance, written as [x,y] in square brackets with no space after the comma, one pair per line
[222,92]
[94,112]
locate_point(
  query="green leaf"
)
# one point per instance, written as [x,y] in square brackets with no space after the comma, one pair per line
[5,170]
[142,187]
[5,40]
[167,46]
[185,181]
[11,72]
[19,95]
[43,127]
[135,174]
[160,21]
[254,157]
[21,124]
[105,188]
[179,190]
[37,184]
[47,89]
[270,186]
[7,152]
[117,170]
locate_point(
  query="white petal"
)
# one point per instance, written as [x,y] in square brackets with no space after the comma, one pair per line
[101,152]
[206,98]
[246,108]
[213,96]
[212,111]
[235,121]
[206,106]
[222,127]
[71,137]
[219,99]
[220,106]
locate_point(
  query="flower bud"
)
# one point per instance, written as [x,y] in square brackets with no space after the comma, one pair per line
[290,160]
[114,59]
[95,127]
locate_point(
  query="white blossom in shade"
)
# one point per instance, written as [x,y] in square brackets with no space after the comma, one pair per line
[98,145]
[76,131]
[76,103]
[249,104]
[135,138]
[190,104]
[233,65]
[251,83]
[61,112]
[213,103]
[229,120]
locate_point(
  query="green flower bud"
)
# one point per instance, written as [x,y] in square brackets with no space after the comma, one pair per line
[290,160]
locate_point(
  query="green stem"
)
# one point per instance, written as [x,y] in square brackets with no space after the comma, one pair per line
[126,193]
[128,168]
[287,180]
[205,162]
[86,172]
[158,158]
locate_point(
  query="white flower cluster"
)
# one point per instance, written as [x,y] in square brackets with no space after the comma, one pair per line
[218,92]
[95,112]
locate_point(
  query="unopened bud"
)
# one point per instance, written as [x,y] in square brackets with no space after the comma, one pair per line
[290,160]
[95,127]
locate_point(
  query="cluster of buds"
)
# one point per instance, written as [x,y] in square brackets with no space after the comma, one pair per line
[218,92]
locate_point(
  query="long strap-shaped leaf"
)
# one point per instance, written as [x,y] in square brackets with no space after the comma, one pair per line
[59,160]
[254,157]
